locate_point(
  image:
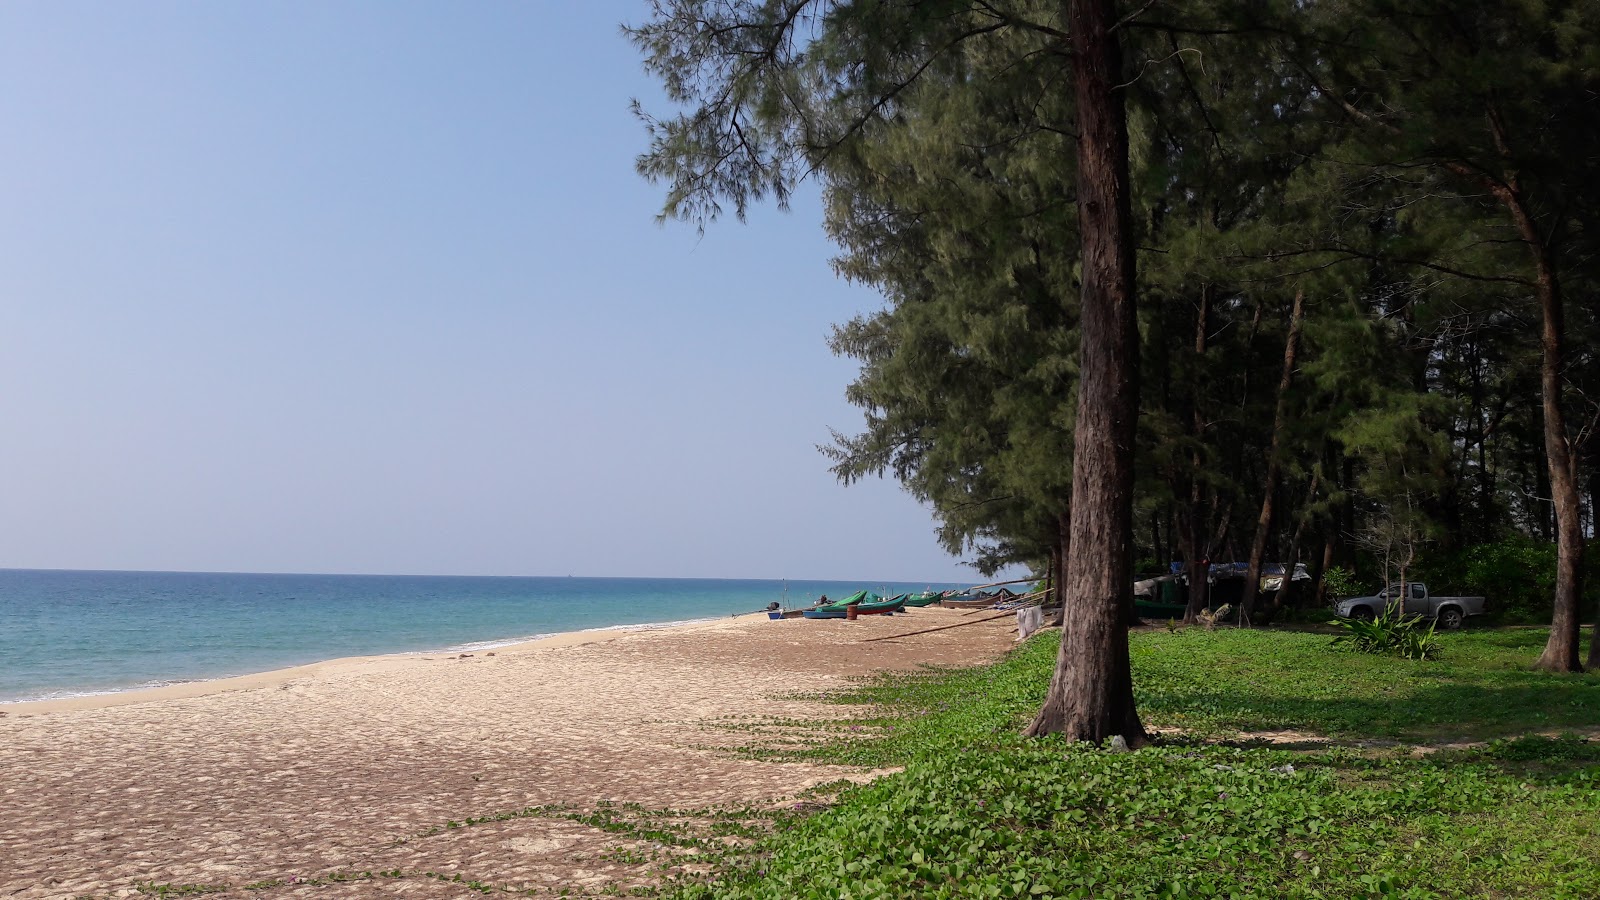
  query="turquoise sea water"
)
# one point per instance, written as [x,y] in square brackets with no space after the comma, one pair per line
[66,633]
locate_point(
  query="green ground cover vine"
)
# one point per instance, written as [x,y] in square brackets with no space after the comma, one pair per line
[980,812]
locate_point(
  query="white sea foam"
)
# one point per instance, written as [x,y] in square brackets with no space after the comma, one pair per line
[512,642]
[100,692]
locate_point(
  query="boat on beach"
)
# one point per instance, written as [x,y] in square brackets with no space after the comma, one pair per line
[865,603]
[881,607]
[977,600]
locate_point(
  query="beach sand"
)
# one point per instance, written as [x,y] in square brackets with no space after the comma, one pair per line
[347,766]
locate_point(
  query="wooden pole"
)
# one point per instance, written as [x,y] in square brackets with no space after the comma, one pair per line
[978,587]
[1036,595]
[890,637]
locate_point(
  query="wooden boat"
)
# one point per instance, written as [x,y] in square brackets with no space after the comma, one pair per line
[926,598]
[866,603]
[859,598]
[982,601]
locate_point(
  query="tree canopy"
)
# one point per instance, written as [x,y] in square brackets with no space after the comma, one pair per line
[1366,237]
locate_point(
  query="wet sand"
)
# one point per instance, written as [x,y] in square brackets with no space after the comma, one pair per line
[350,766]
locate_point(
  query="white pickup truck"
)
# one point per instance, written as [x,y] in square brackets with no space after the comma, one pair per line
[1449,612]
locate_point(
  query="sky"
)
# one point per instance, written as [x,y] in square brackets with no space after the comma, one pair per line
[373,287]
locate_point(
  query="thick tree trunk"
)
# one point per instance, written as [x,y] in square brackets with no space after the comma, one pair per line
[1258,547]
[1561,650]
[1091,693]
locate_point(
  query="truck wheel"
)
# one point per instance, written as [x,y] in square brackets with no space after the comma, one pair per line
[1363,613]
[1450,618]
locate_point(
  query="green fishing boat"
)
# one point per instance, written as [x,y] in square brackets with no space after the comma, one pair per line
[867,604]
[882,607]
[926,598]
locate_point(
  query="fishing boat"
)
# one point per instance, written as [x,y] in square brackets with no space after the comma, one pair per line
[970,601]
[926,598]
[857,599]
[866,603]
[862,596]
[882,607]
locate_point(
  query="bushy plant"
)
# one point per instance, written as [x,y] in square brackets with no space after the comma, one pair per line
[1517,574]
[1390,634]
[1341,582]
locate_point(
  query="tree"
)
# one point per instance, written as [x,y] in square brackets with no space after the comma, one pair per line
[1496,104]
[960,212]
[1258,547]
[767,104]
[1091,692]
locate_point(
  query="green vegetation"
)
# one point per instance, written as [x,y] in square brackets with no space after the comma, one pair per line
[1516,572]
[980,812]
[1366,233]
[1220,683]
[1391,633]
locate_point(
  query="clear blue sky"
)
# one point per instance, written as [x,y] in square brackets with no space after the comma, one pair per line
[373,287]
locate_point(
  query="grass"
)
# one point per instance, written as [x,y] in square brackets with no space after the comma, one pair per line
[1481,687]
[980,812]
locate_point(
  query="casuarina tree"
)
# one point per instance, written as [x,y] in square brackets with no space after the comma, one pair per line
[771,89]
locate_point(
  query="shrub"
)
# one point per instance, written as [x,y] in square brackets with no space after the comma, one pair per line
[1390,634]
[1341,582]
[1516,573]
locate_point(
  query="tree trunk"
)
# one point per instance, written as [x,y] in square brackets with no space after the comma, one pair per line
[1059,561]
[1561,651]
[1196,553]
[1258,547]
[1091,692]
[1594,519]
[1199,572]
[1327,563]
[1286,593]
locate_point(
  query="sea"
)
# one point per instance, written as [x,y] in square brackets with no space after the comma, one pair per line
[78,633]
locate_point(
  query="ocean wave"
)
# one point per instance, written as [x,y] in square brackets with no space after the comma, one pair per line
[98,692]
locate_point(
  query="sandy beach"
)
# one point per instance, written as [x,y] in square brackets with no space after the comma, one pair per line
[250,787]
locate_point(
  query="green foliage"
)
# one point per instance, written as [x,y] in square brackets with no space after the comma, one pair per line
[1278,149]
[1517,574]
[981,812]
[1341,582]
[1391,633]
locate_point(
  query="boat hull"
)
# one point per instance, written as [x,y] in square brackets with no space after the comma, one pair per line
[1150,610]
[824,613]
[980,603]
